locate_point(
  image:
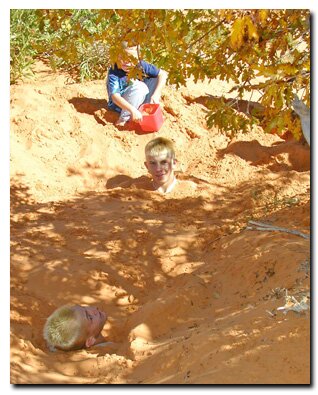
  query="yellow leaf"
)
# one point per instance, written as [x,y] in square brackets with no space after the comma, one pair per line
[263,16]
[237,33]
[251,28]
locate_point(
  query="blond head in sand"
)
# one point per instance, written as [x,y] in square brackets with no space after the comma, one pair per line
[161,162]
[74,327]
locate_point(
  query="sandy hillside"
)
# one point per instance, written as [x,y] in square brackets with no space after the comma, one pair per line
[192,295]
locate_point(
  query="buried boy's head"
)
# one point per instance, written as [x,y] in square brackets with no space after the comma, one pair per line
[160,162]
[74,327]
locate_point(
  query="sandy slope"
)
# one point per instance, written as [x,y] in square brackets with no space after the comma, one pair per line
[191,294]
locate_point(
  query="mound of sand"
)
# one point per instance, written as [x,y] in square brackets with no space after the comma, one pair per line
[191,293]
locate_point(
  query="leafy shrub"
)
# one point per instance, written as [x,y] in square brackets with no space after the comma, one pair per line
[24,32]
[66,38]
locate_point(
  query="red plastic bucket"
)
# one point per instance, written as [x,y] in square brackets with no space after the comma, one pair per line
[152,117]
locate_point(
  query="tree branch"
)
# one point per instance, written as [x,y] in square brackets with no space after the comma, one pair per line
[206,33]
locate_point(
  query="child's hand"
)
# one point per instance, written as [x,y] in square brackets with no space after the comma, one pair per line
[155,99]
[136,115]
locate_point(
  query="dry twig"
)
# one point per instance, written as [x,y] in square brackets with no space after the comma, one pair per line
[267,227]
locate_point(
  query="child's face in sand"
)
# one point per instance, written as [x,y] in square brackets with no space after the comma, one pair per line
[161,167]
[93,321]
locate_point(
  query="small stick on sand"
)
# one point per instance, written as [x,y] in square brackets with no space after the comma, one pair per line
[263,226]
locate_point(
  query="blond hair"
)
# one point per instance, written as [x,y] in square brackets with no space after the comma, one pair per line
[63,330]
[133,50]
[159,145]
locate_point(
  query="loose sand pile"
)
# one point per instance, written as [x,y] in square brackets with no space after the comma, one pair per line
[192,295]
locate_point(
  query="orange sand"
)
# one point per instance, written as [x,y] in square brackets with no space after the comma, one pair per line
[191,294]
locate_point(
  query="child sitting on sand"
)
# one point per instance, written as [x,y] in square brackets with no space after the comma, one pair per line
[160,162]
[74,327]
[126,96]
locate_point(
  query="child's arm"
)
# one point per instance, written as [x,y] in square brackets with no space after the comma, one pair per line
[124,105]
[162,78]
